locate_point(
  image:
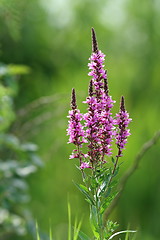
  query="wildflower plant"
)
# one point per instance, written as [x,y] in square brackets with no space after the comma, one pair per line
[98,130]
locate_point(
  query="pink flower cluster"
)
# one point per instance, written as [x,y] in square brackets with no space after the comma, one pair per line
[122,120]
[99,127]
[75,128]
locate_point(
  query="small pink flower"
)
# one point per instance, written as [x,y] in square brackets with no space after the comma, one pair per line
[84,165]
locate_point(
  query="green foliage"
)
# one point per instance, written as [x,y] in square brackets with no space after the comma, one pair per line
[74,232]
[37,231]
[86,192]
[111,227]
[10,12]
[76,229]
[83,236]
[12,70]
[6,113]
[99,191]
[18,160]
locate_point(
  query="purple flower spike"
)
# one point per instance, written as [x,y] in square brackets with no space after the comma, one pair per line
[96,66]
[122,133]
[75,128]
[94,41]
[98,121]
[99,128]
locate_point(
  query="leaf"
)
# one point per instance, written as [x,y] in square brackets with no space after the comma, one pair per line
[116,171]
[89,201]
[113,161]
[94,221]
[93,182]
[36,160]
[50,234]
[69,221]
[13,69]
[77,227]
[25,171]
[84,188]
[108,192]
[105,200]
[37,231]
[10,141]
[113,183]
[18,184]
[85,191]
[112,226]
[31,147]
[108,178]
[108,200]
[93,216]
[8,168]
[83,236]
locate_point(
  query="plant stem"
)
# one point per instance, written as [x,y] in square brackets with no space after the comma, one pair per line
[114,169]
[99,217]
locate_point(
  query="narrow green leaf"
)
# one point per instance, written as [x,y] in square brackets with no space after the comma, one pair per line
[113,161]
[50,233]
[93,215]
[15,69]
[83,187]
[77,227]
[89,201]
[94,221]
[127,234]
[37,231]
[86,193]
[108,200]
[83,236]
[116,171]
[134,236]
[106,194]
[69,221]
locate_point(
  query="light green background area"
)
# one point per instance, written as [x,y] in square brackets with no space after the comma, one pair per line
[53,39]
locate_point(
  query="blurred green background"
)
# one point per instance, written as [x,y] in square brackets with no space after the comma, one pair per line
[53,39]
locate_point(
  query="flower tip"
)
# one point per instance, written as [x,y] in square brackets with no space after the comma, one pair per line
[94,41]
[73,99]
[73,91]
[122,98]
[122,106]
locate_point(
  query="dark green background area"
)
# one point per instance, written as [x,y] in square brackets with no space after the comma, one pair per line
[53,39]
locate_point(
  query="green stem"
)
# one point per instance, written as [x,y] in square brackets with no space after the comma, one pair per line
[109,182]
[114,169]
[99,217]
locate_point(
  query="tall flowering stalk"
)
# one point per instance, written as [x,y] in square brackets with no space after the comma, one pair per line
[98,120]
[97,130]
